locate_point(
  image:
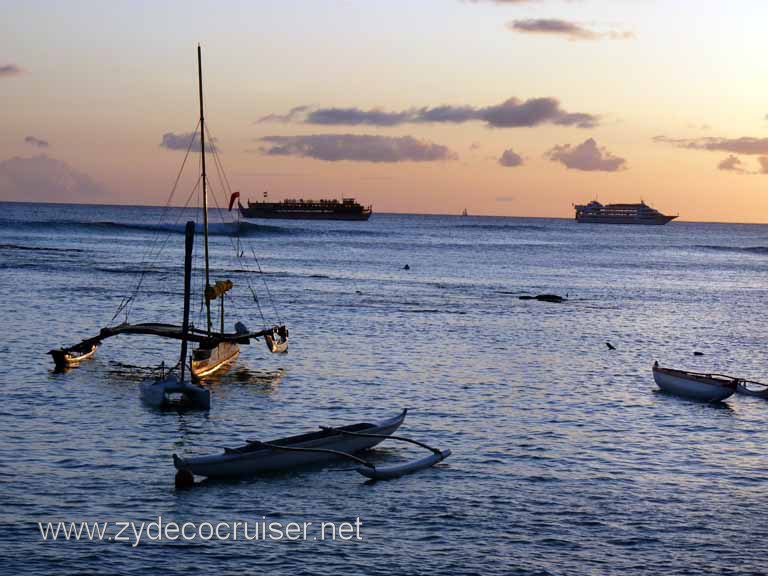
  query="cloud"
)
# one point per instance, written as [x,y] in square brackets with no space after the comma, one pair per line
[357,148]
[586,156]
[731,163]
[10,70]
[181,141]
[566,28]
[355,117]
[511,113]
[515,113]
[510,159]
[292,114]
[41,178]
[505,198]
[745,145]
[37,142]
[475,146]
[552,26]
[763,161]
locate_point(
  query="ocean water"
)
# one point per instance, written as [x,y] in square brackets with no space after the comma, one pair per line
[566,459]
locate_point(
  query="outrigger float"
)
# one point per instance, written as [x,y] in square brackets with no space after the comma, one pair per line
[216,349]
[326,445]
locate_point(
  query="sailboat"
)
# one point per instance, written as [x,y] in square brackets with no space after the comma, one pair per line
[215,349]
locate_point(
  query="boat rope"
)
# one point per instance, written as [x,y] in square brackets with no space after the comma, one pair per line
[149,262]
[244,264]
[148,251]
[320,450]
[388,437]
[227,188]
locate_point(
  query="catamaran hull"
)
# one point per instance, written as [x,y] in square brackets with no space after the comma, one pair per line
[221,355]
[234,464]
[167,392]
[695,388]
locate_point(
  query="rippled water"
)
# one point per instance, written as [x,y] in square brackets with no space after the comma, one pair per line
[566,460]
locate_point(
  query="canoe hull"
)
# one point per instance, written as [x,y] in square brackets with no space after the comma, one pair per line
[695,387]
[238,463]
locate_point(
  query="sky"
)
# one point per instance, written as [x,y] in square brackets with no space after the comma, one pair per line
[502,107]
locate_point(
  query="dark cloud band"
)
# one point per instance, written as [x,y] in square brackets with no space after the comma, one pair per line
[357,148]
[512,113]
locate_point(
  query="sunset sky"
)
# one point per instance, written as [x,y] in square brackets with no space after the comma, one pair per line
[506,107]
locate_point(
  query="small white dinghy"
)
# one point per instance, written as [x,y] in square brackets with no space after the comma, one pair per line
[694,385]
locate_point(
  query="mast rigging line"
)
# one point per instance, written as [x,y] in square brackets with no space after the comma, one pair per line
[227,188]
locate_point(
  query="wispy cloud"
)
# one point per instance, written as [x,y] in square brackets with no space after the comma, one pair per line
[290,116]
[37,142]
[181,141]
[745,145]
[510,159]
[10,70]
[565,28]
[41,178]
[357,148]
[731,163]
[586,156]
[512,113]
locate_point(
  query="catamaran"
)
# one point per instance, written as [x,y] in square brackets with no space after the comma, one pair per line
[216,348]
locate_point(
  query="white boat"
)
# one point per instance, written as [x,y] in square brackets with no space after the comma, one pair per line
[694,385]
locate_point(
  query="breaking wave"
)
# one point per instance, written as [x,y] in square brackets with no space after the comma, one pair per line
[497,227]
[214,228]
[740,249]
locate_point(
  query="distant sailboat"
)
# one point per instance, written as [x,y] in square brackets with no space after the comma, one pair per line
[464,212]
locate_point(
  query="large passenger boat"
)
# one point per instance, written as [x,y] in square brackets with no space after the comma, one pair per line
[596,213]
[346,209]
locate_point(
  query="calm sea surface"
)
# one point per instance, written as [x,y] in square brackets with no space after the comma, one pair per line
[566,459]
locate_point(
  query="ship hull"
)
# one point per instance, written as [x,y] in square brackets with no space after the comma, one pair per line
[251,212]
[628,220]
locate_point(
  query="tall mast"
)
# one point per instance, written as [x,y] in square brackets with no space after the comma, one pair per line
[205,184]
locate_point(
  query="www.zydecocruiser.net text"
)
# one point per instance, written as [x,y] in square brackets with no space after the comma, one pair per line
[160,530]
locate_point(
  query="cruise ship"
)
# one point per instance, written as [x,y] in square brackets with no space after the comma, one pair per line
[346,209]
[596,213]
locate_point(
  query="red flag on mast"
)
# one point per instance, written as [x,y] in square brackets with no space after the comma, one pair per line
[232,199]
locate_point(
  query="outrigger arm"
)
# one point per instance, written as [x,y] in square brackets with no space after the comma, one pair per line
[155,329]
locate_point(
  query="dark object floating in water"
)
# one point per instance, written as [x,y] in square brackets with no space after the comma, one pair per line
[544,298]
[698,353]
[610,346]
[406,267]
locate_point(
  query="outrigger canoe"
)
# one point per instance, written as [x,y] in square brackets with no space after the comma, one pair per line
[326,445]
[695,385]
